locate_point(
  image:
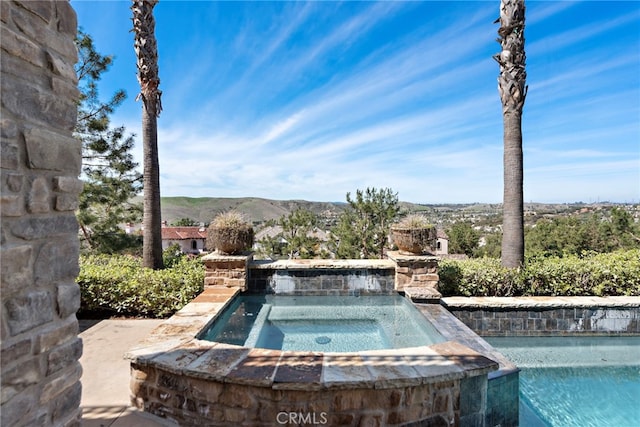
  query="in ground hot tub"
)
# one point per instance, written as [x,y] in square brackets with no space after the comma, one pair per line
[178,376]
[322,323]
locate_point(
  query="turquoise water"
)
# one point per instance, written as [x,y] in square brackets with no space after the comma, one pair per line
[323,323]
[576,381]
[322,335]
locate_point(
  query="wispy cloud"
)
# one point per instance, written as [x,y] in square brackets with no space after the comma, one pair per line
[281,127]
[537,12]
[570,37]
[345,34]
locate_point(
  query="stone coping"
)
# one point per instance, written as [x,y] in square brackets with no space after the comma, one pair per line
[217,256]
[453,329]
[323,264]
[422,294]
[393,257]
[539,302]
[407,257]
[172,346]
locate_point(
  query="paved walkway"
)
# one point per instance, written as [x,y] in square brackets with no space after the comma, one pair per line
[105,377]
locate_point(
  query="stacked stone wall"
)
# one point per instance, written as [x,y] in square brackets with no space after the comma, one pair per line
[551,321]
[415,271]
[321,282]
[40,164]
[226,270]
[194,401]
[547,315]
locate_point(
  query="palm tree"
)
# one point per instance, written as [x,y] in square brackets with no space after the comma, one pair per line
[513,90]
[147,62]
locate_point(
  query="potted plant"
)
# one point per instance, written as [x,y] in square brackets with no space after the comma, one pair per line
[414,234]
[230,233]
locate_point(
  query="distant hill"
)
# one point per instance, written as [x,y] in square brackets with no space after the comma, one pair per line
[204,209]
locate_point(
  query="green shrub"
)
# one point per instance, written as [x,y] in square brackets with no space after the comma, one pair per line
[616,273]
[119,285]
[172,255]
[478,277]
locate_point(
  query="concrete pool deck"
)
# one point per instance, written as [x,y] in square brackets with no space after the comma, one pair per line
[106,374]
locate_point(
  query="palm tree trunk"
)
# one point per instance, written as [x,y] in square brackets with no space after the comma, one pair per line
[152,217]
[513,198]
[147,62]
[513,90]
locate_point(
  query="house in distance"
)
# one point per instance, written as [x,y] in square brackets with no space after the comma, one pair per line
[190,239]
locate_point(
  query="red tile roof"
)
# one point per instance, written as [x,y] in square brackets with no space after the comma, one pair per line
[183,233]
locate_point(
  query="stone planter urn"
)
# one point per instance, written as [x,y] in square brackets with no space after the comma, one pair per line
[230,233]
[414,235]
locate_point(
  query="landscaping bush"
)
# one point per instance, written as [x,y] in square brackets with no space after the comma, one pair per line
[616,273]
[118,285]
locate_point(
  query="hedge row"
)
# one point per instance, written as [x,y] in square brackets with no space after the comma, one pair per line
[616,273]
[118,285]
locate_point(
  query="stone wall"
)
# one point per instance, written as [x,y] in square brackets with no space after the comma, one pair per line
[415,275]
[226,270]
[194,401]
[547,315]
[199,382]
[415,271]
[320,282]
[39,234]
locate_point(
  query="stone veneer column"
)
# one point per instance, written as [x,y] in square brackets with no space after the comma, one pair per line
[226,270]
[416,274]
[40,164]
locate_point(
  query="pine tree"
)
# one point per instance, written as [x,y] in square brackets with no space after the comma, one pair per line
[109,172]
[296,231]
[363,228]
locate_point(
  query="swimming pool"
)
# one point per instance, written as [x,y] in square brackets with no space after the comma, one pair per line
[323,323]
[576,381]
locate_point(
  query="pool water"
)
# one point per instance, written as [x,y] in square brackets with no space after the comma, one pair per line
[323,323]
[576,381]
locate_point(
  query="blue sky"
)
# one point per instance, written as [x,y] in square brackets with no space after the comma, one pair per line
[311,100]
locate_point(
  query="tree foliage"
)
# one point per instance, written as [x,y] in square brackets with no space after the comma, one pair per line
[573,235]
[296,239]
[463,239]
[172,255]
[605,230]
[109,171]
[363,228]
[297,229]
[185,222]
[491,247]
